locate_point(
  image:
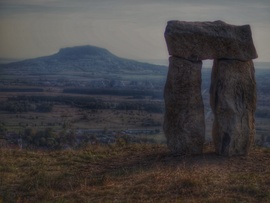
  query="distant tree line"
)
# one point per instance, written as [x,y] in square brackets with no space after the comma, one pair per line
[148,107]
[48,139]
[262,113]
[21,90]
[115,92]
[56,99]
[25,106]
[45,104]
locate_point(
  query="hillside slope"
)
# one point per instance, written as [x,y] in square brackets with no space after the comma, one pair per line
[132,173]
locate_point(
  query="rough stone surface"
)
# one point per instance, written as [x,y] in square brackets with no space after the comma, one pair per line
[233,102]
[209,40]
[184,124]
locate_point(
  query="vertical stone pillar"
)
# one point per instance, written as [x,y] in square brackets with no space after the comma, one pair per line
[233,102]
[184,124]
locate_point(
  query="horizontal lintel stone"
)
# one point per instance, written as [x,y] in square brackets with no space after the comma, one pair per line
[209,40]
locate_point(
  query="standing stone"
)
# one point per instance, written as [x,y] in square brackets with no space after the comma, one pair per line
[184,124]
[209,40]
[233,102]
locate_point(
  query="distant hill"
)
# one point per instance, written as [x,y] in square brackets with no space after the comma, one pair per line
[80,59]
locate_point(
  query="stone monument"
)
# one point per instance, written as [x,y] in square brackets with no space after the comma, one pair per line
[232,91]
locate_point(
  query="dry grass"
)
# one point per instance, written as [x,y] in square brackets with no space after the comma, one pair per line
[132,173]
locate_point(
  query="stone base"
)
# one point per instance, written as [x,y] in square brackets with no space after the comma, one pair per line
[184,124]
[233,102]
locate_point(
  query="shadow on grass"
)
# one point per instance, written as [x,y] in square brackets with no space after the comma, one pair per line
[159,157]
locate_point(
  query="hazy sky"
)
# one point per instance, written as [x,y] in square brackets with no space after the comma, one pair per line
[128,28]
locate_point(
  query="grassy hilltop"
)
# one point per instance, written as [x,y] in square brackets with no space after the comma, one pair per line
[132,173]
